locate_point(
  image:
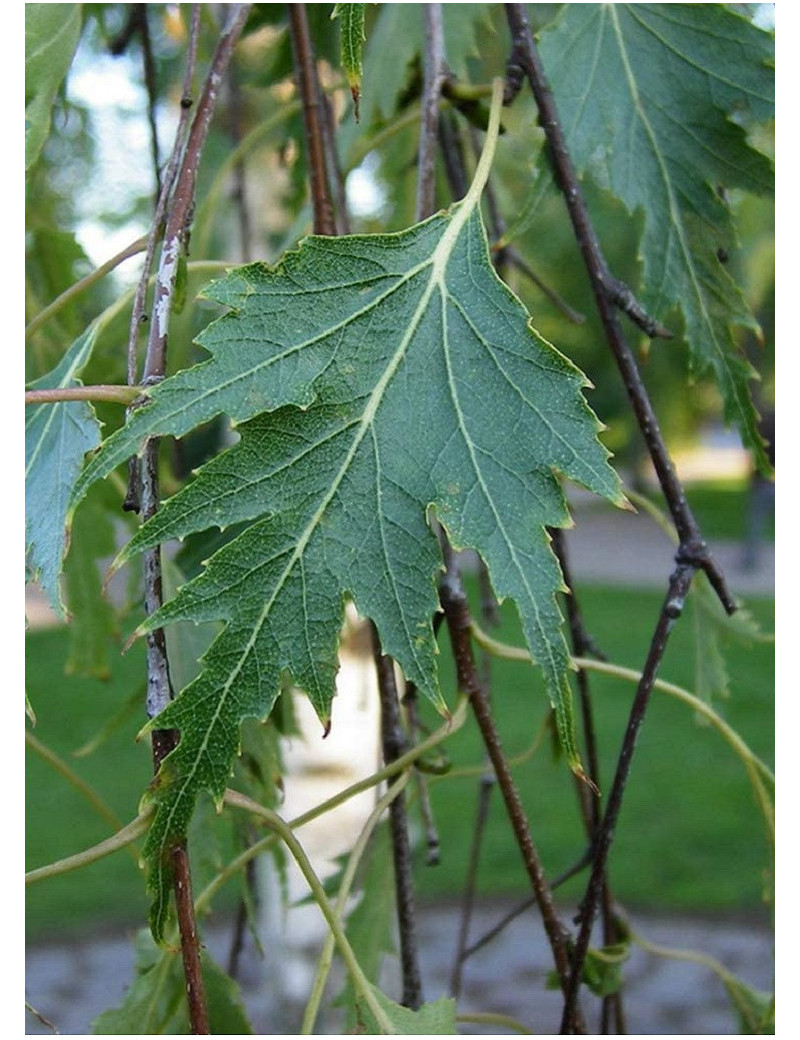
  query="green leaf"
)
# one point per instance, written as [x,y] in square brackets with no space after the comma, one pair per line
[655,100]
[52,32]
[156,1001]
[602,970]
[754,1008]
[436,1018]
[57,436]
[396,39]
[93,622]
[403,379]
[352,46]
[713,629]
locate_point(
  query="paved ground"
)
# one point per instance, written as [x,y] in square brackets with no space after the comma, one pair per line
[70,983]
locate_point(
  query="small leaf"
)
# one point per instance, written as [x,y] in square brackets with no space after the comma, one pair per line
[713,628]
[52,32]
[352,40]
[57,436]
[156,1001]
[602,969]
[434,1019]
[755,1009]
[397,38]
[655,100]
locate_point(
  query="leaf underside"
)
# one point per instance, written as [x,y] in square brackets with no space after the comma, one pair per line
[669,90]
[375,380]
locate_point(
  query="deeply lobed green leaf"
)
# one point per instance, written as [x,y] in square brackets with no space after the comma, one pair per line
[375,380]
[655,100]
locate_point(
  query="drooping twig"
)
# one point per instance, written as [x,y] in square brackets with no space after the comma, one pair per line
[693,552]
[456,611]
[132,501]
[308,85]
[159,686]
[393,740]
[672,608]
[582,646]
[609,295]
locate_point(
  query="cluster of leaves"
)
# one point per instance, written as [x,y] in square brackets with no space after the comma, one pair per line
[383,386]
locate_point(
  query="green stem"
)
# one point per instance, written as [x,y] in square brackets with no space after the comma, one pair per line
[121,394]
[494,1018]
[455,722]
[326,957]
[77,782]
[755,767]
[83,284]
[285,833]
[125,836]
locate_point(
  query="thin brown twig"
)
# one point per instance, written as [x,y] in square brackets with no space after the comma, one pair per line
[159,687]
[434,72]
[308,85]
[608,293]
[394,745]
[456,611]
[672,608]
[693,552]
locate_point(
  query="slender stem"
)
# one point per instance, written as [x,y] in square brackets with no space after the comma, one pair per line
[83,284]
[306,71]
[394,744]
[118,394]
[286,834]
[459,623]
[348,877]
[582,644]
[76,781]
[159,686]
[431,94]
[673,606]
[609,294]
[124,837]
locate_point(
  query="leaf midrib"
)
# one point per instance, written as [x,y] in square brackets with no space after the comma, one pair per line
[438,266]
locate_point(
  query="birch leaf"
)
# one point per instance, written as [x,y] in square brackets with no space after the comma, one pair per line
[52,32]
[655,100]
[376,380]
[352,46]
[57,436]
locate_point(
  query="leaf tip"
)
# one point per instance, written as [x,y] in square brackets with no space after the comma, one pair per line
[577,769]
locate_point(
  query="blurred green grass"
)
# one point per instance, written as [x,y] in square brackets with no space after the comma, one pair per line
[690,837]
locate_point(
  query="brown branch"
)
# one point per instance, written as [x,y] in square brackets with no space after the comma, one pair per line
[159,685]
[456,612]
[609,293]
[583,646]
[394,745]
[429,116]
[308,85]
[672,608]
